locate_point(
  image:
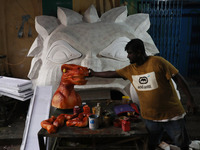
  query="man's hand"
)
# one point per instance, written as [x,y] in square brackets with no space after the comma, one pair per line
[181,83]
[191,107]
[91,72]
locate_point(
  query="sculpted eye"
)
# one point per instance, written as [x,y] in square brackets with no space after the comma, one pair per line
[116,49]
[61,52]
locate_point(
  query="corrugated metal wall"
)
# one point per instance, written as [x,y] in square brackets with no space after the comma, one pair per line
[49,7]
[165,17]
[194,55]
[175,29]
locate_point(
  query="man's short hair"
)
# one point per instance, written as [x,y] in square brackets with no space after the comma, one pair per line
[136,45]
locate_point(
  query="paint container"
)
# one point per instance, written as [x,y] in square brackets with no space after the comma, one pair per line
[126,125]
[76,110]
[106,121]
[93,122]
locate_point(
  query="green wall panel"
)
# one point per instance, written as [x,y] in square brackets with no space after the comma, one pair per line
[50,6]
[131,5]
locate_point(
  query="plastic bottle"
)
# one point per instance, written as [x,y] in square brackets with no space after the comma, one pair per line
[99,113]
[125,99]
[94,110]
[98,109]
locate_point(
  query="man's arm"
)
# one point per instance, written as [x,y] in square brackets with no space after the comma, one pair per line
[180,81]
[104,74]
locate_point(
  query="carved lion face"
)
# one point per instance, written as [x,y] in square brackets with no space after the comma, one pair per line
[89,41]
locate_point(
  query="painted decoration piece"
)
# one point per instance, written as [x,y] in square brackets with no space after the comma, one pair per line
[89,41]
[65,96]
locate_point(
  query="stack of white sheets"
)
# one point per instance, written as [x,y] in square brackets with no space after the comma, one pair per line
[16,88]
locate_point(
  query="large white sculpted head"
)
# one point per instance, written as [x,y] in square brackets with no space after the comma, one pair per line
[87,40]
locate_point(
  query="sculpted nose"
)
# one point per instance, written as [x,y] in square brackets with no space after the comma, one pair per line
[91,61]
[35,67]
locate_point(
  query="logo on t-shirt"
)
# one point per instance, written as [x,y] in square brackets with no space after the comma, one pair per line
[145,82]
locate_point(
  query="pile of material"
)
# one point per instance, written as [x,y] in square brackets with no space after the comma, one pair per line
[16,88]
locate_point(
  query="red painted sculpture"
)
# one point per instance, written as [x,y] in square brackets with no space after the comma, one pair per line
[65,96]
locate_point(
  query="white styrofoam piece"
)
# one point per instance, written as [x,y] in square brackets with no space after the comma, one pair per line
[50,26]
[114,51]
[39,110]
[15,92]
[195,144]
[91,15]
[21,98]
[15,83]
[68,16]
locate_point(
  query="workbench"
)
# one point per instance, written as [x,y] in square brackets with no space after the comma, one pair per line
[110,137]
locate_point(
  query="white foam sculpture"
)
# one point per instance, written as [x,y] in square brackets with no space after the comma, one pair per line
[89,40]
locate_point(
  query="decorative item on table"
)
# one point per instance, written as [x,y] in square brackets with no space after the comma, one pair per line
[77,119]
[80,121]
[86,109]
[65,96]
[124,108]
[130,111]
[83,104]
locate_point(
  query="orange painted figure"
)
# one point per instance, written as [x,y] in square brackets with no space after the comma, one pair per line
[48,125]
[65,96]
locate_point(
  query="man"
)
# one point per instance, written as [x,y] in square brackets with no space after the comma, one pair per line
[160,106]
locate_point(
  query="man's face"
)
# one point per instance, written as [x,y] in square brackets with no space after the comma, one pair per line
[132,56]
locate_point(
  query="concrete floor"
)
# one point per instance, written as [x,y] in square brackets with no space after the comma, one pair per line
[11,135]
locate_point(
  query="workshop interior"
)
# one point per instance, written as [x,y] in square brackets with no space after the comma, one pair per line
[47,49]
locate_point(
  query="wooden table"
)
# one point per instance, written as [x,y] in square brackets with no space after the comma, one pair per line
[103,138]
